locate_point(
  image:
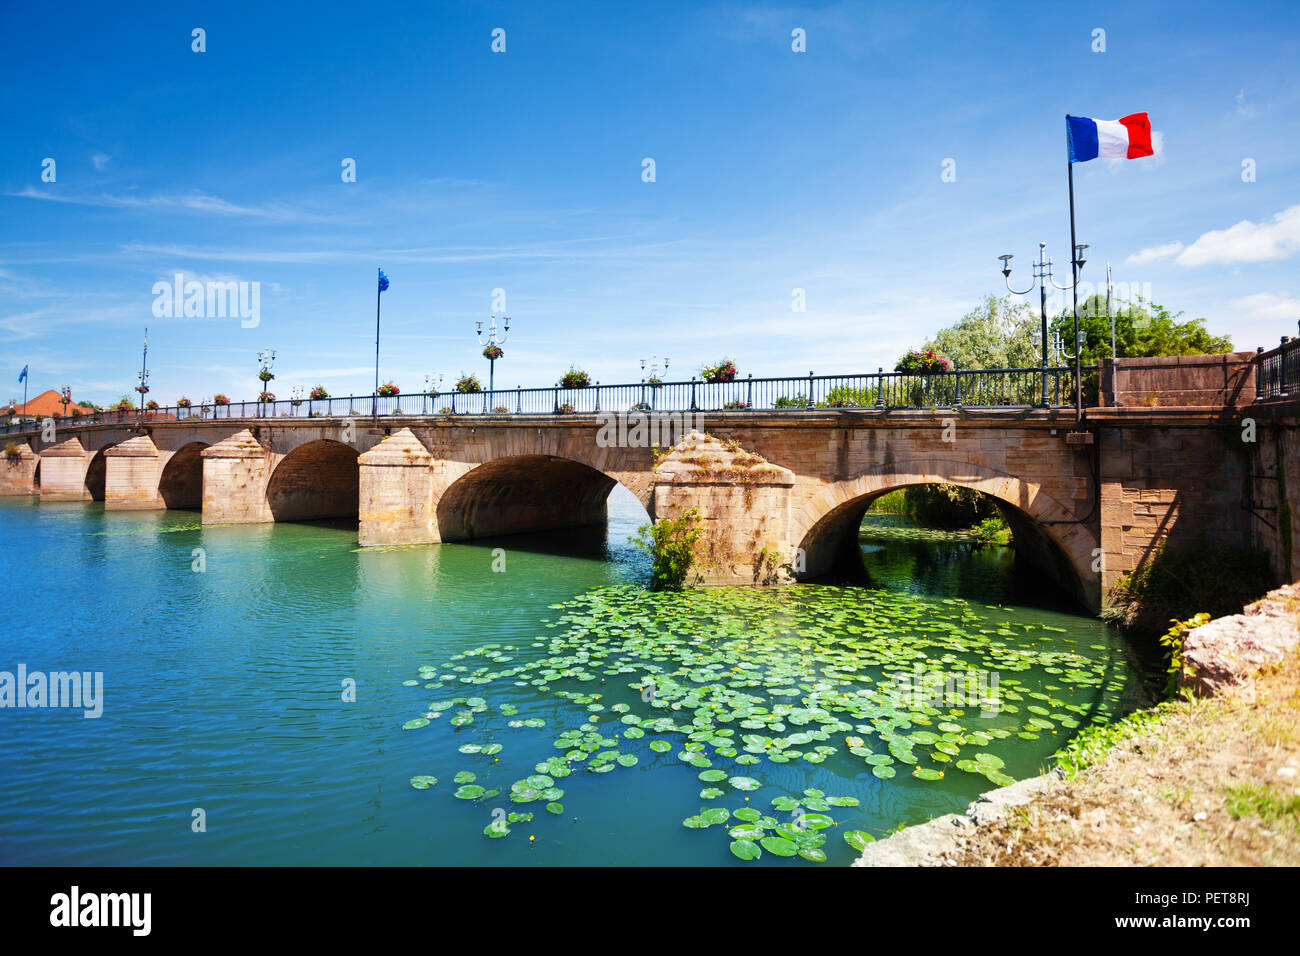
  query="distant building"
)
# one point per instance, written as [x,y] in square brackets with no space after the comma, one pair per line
[44,405]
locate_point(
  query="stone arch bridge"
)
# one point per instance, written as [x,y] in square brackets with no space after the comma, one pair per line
[780,495]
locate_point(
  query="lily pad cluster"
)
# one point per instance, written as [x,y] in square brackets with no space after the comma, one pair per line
[729,681]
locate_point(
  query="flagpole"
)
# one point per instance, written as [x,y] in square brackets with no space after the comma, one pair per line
[1074,287]
[1110,313]
[26,375]
[379,292]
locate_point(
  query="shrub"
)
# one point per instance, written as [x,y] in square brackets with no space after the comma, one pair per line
[841,396]
[724,371]
[799,401]
[1172,640]
[992,530]
[1179,582]
[574,378]
[670,542]
[13,451]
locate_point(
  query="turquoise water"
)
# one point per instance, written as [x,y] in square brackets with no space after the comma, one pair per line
[224,691]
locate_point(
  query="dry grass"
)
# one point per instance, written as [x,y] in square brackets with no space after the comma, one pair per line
[1216,783]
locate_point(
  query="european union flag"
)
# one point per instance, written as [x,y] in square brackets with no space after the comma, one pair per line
[22,376]
[383,281]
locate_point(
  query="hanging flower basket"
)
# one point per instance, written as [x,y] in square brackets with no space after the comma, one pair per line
[266,397]
[923,363]
[318,393]
[183,402]
[468,384]
[265,375]
[220,399]
[654,382]
[142,389]
[574,378]
[493,352]
[296,402]
[152,405]
[388,390]
[724,371]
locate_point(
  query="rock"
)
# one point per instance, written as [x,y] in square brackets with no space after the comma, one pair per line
[1222,656]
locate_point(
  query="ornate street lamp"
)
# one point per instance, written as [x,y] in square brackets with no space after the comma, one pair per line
[653,378]
[67,399]
[1042,275]
[492,345]
[265,361]
[432,385]
[143,387]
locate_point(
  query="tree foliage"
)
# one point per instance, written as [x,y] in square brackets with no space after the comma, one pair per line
[1143,329]
[998,333]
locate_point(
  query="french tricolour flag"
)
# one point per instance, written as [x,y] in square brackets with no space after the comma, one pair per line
[1126,138]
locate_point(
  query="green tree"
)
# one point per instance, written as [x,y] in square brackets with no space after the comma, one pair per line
[1143,329]
[998,333]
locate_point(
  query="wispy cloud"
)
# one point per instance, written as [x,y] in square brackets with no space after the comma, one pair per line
[1155,253]
[1267,306]
[100,160]
[196,202]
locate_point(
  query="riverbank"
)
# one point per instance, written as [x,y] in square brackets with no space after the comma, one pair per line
[1212,781]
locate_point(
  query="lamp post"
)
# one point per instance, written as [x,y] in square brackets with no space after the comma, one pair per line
[492,345]
[1042,275]
[66,394]
[265,361]
[654,374]
[432,384]
[143,387]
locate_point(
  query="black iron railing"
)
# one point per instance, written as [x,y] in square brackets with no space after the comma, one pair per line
[975,388]
[1277,371]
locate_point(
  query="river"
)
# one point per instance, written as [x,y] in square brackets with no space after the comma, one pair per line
[273,695]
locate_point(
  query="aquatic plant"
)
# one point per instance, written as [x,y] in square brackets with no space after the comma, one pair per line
[721,683]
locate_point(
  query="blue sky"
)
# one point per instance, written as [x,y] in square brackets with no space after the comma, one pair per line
[522,171]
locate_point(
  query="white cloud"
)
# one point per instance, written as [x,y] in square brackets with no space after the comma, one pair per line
[100,160]
[1244,108]
[1267,306]
[1247,241]
[1155,253]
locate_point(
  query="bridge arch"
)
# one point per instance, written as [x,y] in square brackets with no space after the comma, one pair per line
[825,525]
[317,479]
[181,483]
[522,493]
[97,473]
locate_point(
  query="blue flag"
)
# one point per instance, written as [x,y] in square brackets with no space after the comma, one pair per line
[383,281]
[22,376]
